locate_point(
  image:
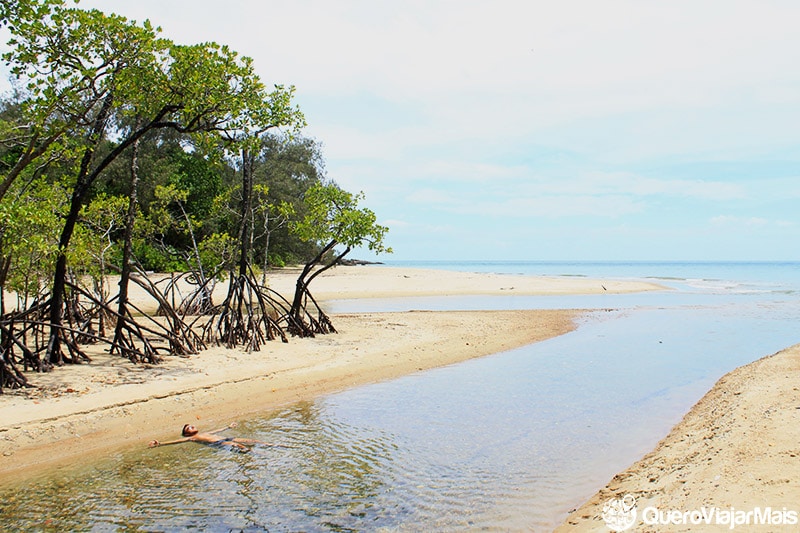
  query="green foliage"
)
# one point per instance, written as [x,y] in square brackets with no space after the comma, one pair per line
[68,63]
[199,178]
[276,261]
[29,226]
[333,216]
[105,216]
[188,105]
[157,259]
[218,254]
[171,224]
[101,222]
[160,213]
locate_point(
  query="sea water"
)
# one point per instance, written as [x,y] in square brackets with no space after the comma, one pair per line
[512,441]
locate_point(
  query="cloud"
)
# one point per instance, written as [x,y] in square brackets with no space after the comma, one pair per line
[396,224]
[638,185]
[507,204]
[465,115]
[504,63]
[518,191]
[621,80]
[748,222]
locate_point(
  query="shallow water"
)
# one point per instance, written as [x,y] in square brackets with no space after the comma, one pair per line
[512,441]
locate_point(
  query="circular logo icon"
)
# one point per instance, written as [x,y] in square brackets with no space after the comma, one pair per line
[620,513]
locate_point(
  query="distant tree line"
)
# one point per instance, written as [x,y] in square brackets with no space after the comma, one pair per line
[122,152]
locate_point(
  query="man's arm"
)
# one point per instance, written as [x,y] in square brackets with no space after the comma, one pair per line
[154,443]
[229,426]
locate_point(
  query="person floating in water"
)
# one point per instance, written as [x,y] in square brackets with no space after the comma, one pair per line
[192,434]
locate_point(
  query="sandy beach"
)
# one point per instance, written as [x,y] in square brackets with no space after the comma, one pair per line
[737,449]
[111,404]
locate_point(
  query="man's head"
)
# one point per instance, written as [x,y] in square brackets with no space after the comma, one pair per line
[189,430]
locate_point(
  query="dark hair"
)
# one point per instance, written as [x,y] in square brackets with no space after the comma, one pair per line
[183,431]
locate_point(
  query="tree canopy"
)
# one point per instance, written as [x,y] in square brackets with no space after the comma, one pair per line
[122,151]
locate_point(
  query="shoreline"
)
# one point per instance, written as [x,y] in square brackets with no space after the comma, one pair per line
[110,404]
[737,448]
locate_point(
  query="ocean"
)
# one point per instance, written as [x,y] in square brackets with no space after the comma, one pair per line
[734,275]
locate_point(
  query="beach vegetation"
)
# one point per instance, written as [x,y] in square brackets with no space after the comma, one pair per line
[332,218]
[123,152]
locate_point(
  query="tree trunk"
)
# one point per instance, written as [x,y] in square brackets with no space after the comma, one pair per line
[298,312]
[5,264]
[130,220]
[246,221]
[82,184]
[266,251]
[301,285]
[205,303]
[55,355]
[79,193]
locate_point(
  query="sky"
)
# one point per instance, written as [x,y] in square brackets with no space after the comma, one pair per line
[539,130]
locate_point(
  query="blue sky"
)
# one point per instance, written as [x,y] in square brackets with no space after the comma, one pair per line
[540,130]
